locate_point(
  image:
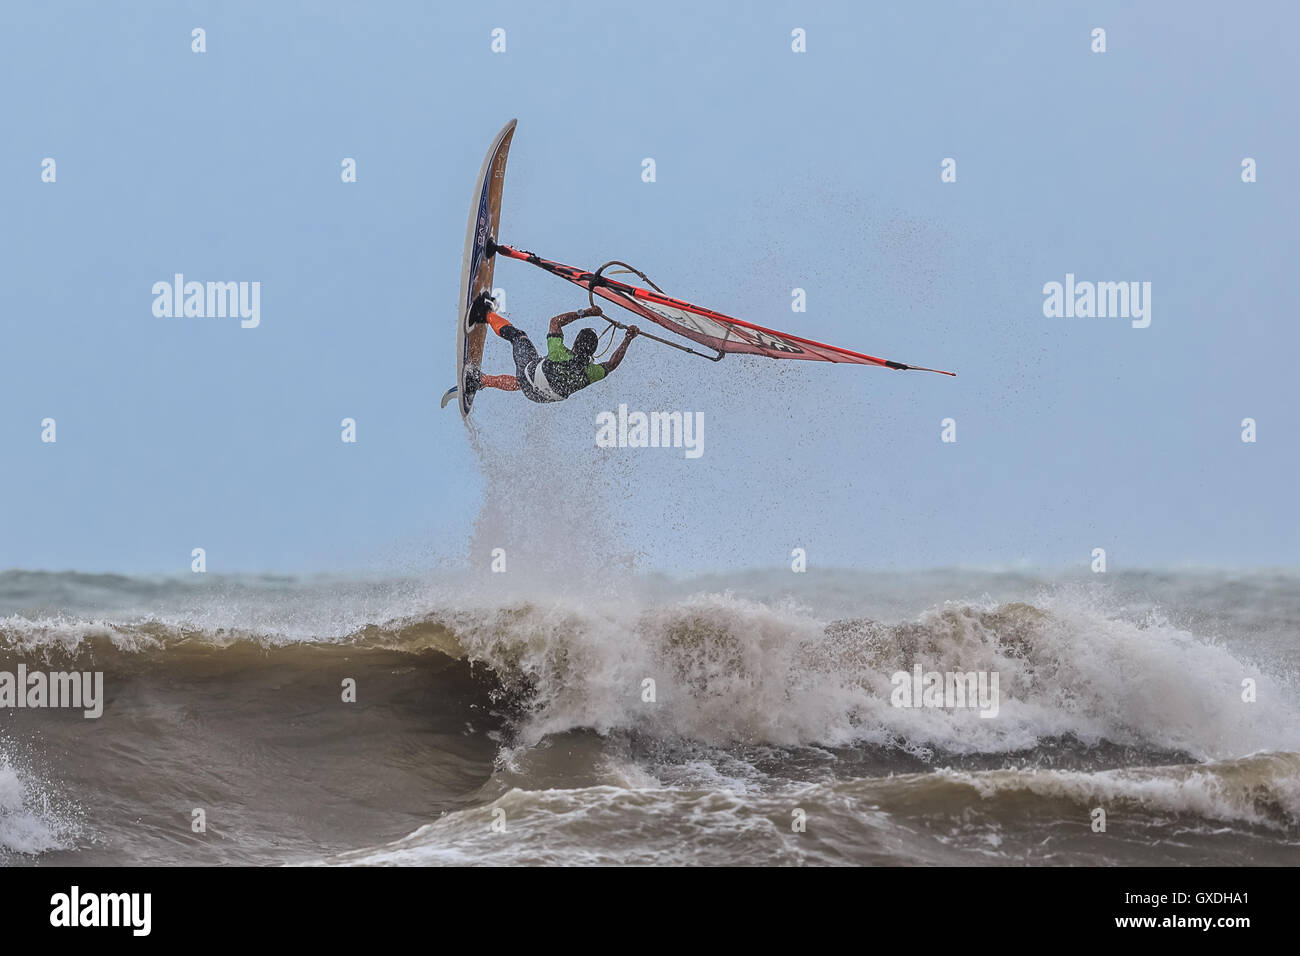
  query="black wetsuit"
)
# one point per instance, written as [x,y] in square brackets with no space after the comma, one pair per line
[555,377]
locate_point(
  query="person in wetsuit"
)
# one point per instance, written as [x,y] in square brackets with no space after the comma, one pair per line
[558,374]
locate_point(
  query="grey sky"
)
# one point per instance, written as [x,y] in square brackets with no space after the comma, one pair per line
[775,170]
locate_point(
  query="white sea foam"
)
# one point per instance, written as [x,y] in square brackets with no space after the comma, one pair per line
[730,670]
[30,822]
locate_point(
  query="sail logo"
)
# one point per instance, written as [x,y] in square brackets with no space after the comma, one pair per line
[626,429]
[768,342]
[208,300]
[947,690]
[82,691]
[1098,300]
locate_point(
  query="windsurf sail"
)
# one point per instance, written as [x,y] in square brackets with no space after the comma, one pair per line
[713,330]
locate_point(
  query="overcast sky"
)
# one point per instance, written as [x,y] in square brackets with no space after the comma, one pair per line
[774,170]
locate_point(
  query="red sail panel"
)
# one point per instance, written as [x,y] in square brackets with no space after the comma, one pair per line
[704,326]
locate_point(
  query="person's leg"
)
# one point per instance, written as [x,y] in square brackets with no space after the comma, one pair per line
[481,312]
[526,359]
[507,383]
[520,344]
[522,347]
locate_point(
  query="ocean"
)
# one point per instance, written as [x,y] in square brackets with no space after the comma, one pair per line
[745,718]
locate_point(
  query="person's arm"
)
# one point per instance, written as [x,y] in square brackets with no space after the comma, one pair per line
[564,318]
[611,363]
